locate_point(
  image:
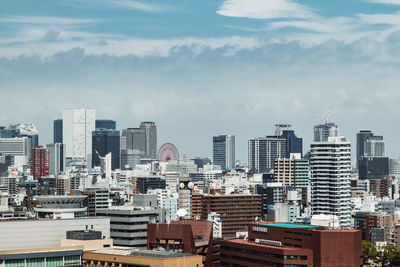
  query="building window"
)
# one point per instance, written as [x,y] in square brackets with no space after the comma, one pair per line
[14,263]
[72,260]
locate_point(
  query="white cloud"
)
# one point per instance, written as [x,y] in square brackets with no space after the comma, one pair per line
[44,20]
[131,4]
[390,19]
[264,9]
[387,2]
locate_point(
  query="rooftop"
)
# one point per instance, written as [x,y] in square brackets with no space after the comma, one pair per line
[289,225]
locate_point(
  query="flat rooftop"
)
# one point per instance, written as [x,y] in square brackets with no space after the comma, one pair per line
[247,242]
[289,225]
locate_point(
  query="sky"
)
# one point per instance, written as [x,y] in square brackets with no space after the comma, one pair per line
[204,68]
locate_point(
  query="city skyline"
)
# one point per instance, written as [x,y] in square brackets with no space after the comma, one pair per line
[135,63]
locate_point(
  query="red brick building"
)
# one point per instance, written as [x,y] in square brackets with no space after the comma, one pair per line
[284,244]
[39,162]
[194,237]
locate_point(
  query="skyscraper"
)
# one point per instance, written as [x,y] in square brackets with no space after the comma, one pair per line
[263,151]
[151,139]
[58,131]
[39,162]
[103,142]
[56,158]
[78,125]
[294,144]
[143,139]
[106,124]
[325,130]
[330,165]
[224,151]
[371,160]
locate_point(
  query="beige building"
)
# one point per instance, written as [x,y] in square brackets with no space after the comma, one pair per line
[145,258]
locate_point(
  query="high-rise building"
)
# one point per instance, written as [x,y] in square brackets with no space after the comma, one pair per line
[373,167]
[369,145]
[325,130]
[39,162]
[143,139]
[58,131]
[292,171]
[294,144]
[106,124]
[78,125]
[56,158]
[263,151]
[151,139]
[224,151]
[14,146]
[330,165]
[106,141]
[21,130]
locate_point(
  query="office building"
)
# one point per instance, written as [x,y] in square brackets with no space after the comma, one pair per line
[271,193]
[263,151]
[18,146]
[39,162]
[235,211]
[325,130]
[106,124]
[151,139]
[370,146]
[294,144]
[103,142]
[129,223]
[292,171]
[97,199]
[284,244]
[373,167]
[130,158]
[58,131]
[143,139]
[224,151]
[30,234]
[394,166]
[56,158]
[21,130]
[330,166]
[78,125]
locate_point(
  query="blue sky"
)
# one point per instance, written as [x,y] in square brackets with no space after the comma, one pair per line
[200,68]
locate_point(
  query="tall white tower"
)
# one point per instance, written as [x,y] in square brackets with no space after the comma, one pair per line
[78,125]
[330,165]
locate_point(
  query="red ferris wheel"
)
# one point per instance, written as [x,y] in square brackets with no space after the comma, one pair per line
[168,152]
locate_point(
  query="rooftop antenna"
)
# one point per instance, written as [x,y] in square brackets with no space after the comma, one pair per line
[314,121]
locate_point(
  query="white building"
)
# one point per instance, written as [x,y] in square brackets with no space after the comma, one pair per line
[78,125]
[56,158]
[29,234]
[330,165]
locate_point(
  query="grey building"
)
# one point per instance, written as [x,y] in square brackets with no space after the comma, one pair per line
[56,158]
[18,146]
[150,182]
[97,199]
[263,151]
[128,226]
[130,158]
[369,145]
[325,130]
[143,139]
[30,234]
[224,151]
[294,144]
[271,194]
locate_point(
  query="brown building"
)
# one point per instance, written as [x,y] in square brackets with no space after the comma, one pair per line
[197,206]
[143,258]
[380,187]
[39,162]
[284,244]
[235,211]
[193,237]
[366,221]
